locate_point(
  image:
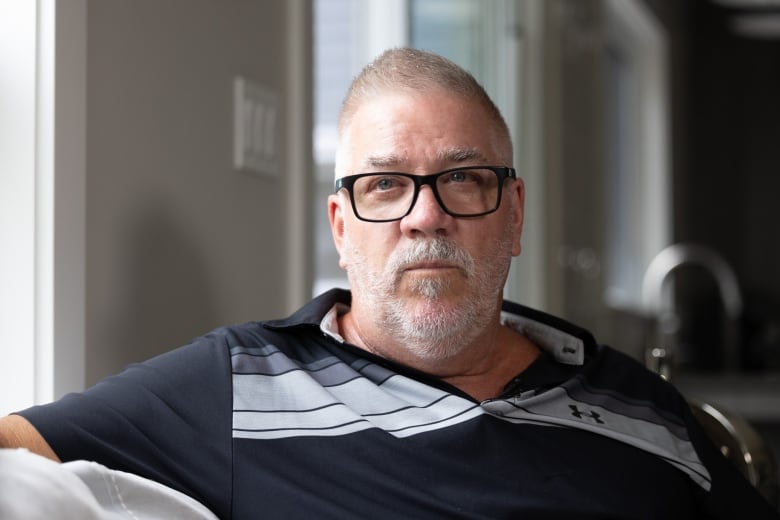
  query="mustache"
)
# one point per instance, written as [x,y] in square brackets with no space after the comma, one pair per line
[433,250]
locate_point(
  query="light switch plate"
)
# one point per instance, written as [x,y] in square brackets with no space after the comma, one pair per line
[255,128]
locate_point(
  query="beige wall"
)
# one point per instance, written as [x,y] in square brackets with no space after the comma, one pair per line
[177,242]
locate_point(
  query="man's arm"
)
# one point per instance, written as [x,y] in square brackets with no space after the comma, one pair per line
[17,432]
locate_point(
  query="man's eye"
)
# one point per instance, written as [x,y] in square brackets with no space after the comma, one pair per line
[461,177]
[385,183]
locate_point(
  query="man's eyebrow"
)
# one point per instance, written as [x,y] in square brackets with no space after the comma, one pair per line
[460,155]
[383,161]
[453,155]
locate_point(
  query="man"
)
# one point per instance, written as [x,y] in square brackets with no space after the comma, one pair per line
[420,394]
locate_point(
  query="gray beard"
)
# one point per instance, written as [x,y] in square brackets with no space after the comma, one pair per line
[439,330]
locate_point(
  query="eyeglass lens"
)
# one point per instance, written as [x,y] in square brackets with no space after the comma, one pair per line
[388,196]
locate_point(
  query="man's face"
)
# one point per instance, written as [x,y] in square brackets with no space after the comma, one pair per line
[428,276]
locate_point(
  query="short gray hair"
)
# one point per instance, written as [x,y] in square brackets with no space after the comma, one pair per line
[417,71]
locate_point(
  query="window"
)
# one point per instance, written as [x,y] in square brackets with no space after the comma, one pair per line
[42,135]
[639,206]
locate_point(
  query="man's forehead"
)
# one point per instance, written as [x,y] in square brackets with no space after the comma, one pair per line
[417,132]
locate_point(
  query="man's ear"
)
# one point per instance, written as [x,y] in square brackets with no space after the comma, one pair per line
[517,192]
[336,218]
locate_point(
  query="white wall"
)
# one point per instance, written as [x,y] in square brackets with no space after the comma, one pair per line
[124,229]
[177,241]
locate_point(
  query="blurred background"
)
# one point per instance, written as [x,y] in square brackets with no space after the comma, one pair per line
[164,167]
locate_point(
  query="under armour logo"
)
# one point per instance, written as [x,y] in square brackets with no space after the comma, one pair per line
[579,415]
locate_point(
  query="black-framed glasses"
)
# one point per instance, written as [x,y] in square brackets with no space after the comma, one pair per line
[472,191]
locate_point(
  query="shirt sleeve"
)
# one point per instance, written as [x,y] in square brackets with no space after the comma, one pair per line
[167,419]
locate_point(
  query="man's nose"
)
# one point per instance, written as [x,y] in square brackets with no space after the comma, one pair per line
[427,215]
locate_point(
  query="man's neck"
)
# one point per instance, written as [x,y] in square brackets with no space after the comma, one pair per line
[511,354]
[480,370]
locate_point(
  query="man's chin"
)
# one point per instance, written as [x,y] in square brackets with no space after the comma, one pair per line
[432,289]
[441,313]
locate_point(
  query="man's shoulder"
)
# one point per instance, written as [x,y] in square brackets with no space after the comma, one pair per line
[623,378]
[260,333]
[599,368]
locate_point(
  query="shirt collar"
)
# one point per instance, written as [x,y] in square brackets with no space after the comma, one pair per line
[567,343]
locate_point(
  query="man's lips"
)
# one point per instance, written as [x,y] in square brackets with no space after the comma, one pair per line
[430,266]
